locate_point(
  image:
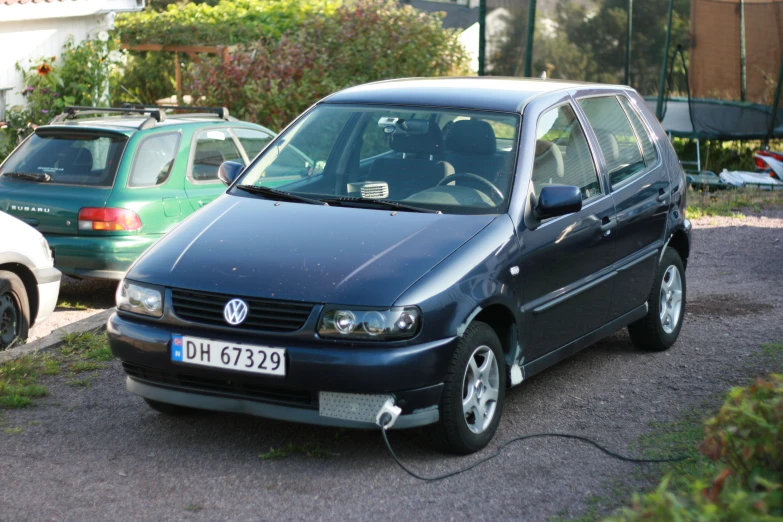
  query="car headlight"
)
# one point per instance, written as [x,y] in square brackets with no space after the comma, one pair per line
[47,252]
[140,299]
[338,322]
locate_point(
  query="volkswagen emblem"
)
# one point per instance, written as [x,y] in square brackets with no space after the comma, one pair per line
[235,311]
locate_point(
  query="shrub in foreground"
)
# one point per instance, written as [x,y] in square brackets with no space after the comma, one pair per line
[744,441]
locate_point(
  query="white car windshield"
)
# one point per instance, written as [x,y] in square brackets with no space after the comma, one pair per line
[450,160]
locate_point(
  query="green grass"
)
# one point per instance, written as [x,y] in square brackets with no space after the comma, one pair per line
[86,345]
[14,431]
[732,203]
[195,508]
[83,366]
[80,383]
[773,349]
[309,449]
[72,306]
[20,379]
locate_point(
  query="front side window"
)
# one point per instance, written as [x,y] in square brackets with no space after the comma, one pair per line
[67,158]
[212,148]
[650,155]
[447,160]
[615,137]
[253,141]
[154,160]
[562,155]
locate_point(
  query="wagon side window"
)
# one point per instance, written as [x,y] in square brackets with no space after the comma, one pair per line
[154,160]
[562,156]
[616,137]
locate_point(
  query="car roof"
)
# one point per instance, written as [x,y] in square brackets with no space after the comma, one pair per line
[482,93]
[131,124]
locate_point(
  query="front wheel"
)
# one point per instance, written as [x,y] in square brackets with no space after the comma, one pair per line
[472,399]
[14,310]
[659,329]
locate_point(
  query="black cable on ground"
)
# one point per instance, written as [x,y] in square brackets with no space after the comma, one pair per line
[500,448]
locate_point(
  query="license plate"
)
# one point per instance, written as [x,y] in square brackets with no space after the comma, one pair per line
[226,355]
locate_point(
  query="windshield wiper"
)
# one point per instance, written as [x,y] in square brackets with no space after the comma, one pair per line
[29,176]
[379,203]
[279,195]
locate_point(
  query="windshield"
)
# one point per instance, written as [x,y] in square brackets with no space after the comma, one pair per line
[77,158]
[450,160]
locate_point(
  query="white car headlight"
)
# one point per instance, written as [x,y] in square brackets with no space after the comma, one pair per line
[140,299]
[47,252]
[340,322]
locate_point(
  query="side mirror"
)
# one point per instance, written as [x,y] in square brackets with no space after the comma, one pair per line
[229,171]
[558,200]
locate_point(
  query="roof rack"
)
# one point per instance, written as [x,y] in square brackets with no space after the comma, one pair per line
[220,112]
[155,114]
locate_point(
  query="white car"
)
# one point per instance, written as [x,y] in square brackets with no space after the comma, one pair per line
[29,283]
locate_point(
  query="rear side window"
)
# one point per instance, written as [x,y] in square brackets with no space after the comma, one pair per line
[615,136]
[253,141]
[154,160]
[562,155]
[68,158]
[212,148]
[650,155]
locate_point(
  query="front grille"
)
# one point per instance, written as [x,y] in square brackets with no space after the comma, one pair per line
[266,315]
[221,386]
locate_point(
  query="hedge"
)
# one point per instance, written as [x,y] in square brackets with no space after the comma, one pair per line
[273,80]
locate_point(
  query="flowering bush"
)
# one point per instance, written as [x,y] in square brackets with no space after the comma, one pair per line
[272,81]
[79,77]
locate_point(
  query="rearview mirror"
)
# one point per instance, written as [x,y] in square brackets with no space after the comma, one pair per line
[229,171]
[558,200]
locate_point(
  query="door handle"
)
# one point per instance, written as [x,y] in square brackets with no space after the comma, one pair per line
[607,225]
[663,195]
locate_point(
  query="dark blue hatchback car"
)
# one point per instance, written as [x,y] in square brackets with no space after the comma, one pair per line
[451,238]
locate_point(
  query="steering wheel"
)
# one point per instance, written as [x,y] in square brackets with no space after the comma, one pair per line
[494,193]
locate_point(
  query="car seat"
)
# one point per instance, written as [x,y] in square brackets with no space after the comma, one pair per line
[420,167]
[471,147]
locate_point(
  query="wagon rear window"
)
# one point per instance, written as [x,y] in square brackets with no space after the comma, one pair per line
[67,158]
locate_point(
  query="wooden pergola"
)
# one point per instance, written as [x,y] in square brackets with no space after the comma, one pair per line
[191,50]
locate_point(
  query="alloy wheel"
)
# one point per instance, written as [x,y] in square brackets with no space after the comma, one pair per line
[480,389]
[670,302]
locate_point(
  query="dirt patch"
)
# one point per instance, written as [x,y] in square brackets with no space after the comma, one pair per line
[725,305]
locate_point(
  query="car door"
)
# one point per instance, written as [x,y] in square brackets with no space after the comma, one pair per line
[153,190]
[210,147]
[641,191]
[567,260]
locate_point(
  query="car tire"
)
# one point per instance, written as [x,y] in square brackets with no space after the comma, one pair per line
[170,409]
[477,373]
[14,310]
[659,329]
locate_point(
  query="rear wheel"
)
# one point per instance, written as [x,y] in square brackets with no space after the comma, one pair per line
[659,329]
[14,310]
[472,399]
[170,409]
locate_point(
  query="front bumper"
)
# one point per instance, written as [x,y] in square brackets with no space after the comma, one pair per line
[412,375]
[48,290]
[100,257]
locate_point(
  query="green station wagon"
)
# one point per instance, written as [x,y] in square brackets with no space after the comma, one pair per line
[102,185]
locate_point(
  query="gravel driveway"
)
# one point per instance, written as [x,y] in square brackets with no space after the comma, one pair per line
[99,453]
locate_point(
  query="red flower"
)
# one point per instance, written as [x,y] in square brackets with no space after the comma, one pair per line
[44,69]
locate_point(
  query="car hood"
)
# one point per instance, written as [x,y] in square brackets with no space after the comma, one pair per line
[247,246]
